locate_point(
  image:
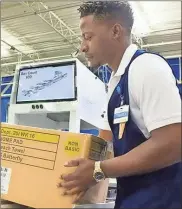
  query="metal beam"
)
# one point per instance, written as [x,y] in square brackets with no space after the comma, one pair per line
[13,17]
[172,56]
[180,76]
[137,40]
[5,95]
[3,92]
[7,70]
[161,44]
[33,56]
[41,59]
[54,22]
[163,32]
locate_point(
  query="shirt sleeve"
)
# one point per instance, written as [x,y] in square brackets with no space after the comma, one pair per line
[155,92]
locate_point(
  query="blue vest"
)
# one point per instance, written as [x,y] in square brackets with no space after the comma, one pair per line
[159,189]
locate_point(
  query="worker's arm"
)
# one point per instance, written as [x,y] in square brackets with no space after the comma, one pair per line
[161,150]
[105,134]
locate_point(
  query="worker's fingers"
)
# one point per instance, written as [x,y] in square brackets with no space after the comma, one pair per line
[73,191]
[69,185]
[67,177]
[73,163]
[78,197]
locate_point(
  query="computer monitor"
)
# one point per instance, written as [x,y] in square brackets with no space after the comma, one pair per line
[47,83]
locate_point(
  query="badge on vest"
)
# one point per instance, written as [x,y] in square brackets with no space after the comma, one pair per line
[121,114]
[121,117]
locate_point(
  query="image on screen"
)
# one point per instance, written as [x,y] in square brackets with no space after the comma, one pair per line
[50,83]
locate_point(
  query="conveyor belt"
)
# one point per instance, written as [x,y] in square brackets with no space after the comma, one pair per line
[101,205]
[7,204]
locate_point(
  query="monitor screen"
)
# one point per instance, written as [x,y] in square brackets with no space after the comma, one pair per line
[47,83]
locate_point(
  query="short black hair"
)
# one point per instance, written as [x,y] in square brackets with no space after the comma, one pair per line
[109,9]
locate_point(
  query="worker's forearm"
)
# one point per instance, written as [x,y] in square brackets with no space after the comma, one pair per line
[106,135]
[149,156]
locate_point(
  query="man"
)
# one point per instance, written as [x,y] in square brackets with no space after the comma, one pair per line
[144,115]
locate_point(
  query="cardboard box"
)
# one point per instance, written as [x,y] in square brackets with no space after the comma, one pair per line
[32,160]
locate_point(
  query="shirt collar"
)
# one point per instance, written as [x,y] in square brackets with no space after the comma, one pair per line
[128,54]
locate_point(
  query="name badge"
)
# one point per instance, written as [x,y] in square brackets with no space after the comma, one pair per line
[121,114]
[121,117]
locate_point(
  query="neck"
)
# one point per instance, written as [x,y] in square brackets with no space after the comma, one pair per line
[114,63]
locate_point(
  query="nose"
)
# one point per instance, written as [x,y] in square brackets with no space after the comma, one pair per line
[84,47]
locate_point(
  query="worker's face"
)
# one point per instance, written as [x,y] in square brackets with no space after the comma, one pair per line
[97,42]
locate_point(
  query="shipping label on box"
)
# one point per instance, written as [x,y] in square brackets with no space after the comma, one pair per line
[29,147]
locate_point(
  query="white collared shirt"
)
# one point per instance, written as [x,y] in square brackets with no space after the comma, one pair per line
[154,97]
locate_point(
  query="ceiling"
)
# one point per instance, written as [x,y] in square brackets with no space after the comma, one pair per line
[34,31]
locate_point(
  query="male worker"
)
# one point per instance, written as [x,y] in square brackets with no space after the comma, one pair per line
[144,115]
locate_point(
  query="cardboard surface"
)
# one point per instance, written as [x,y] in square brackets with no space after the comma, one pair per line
[32,160]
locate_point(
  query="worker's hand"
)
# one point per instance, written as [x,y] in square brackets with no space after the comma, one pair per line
[79,181]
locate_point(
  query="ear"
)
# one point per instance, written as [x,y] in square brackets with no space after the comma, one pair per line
[117,31]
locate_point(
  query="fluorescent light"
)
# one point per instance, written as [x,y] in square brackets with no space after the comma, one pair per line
[4,50]
[14,41]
